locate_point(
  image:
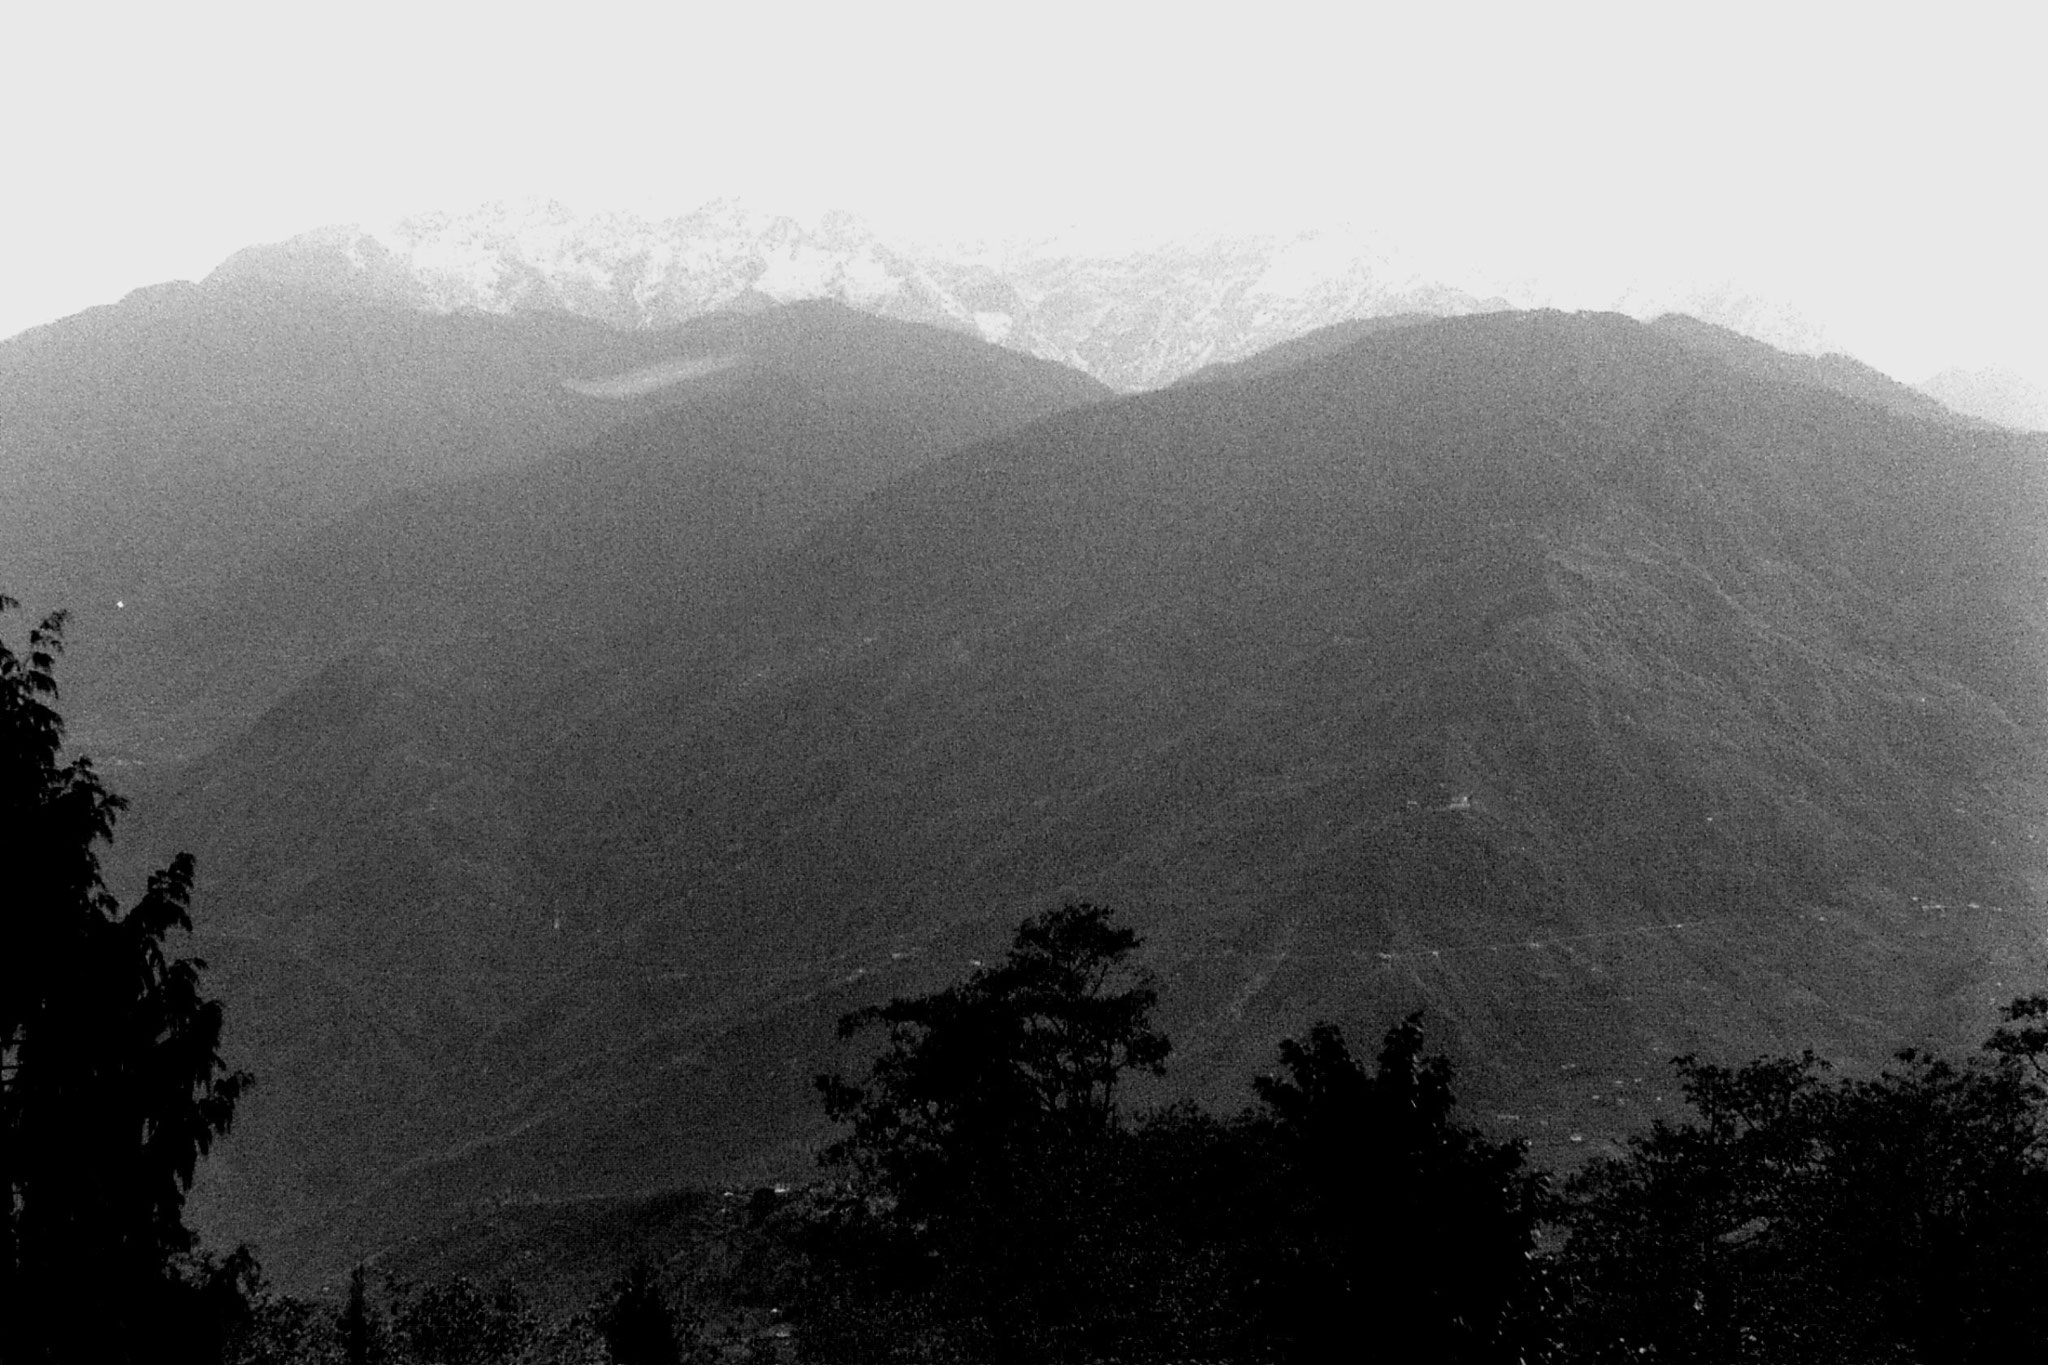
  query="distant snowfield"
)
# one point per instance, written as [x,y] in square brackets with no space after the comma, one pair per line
[648,378]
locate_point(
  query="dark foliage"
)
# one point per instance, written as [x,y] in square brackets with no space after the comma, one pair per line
[455,1321]
[986,1140]
[364,1339]
[1020,1056]
[285,1330]
[209,1312]
[112,1085]
[1389,1212]
[1803,1218]
[1000,1207]
[441,1321]
[638,1323]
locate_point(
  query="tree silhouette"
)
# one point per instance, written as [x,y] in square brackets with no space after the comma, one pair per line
[453,1321]
[1389,1216]
[360,1326]
[1023,1055]
[638,1326]
[989,1132]
[111,1080]
[1801,1217]
[1682,1246]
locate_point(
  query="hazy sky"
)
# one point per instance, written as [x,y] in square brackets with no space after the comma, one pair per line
[1881,174]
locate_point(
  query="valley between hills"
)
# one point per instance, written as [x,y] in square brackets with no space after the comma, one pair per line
[570,723]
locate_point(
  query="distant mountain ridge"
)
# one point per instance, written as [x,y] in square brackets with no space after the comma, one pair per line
[1136,321]
[159,455]
[1999,396]
[1837,373]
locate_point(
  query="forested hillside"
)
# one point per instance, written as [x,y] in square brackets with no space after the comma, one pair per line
[1609,691]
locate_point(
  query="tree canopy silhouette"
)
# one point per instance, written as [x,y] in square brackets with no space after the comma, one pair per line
[988,1128]
[637,1321]
[112,1085]
[1388,1211]
[1014,1214]
[1022,1055]
[1804,1217]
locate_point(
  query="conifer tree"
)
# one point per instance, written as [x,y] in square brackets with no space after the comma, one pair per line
[361,1327]
[112,1085]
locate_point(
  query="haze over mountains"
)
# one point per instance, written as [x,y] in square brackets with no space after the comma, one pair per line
[165,454]
[1134,321]
[1135,318]
[1997,395]
[570,722]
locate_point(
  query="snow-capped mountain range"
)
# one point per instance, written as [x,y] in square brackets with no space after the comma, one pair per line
[1136,320]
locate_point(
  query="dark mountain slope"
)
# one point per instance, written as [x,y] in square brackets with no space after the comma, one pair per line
[161,443]
[451,626]
[260,477]
[1507,630]
[1607,699]
[749,429]
[152,450]
[1567,498]
[365,832]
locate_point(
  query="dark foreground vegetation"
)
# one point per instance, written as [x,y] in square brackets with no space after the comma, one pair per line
[991,1198]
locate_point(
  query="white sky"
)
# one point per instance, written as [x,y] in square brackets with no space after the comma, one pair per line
[1878,171]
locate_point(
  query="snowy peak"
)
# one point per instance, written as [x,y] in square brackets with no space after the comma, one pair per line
[639,273]
[1135,321]
[624,270]
[1139,319]
[335,260]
